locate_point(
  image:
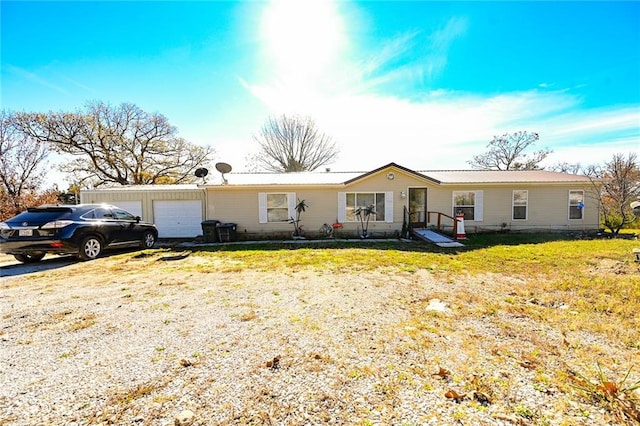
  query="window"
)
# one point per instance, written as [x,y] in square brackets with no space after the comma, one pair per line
[464,202]
[576,204]
[382,203]
[276,207]
[365,199]
[124,215]
[520,204]
[99,213]
[469,203]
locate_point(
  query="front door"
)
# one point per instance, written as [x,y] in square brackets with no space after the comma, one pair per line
[418,207]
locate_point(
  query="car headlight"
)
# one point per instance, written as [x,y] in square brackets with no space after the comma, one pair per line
[56,224]
[4,226]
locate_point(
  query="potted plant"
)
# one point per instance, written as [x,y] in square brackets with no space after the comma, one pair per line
[364,214]
[297,228]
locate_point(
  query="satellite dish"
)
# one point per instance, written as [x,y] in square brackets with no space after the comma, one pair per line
[223,168]
[201,172]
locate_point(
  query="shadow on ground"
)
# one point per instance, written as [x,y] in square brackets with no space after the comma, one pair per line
[47,264]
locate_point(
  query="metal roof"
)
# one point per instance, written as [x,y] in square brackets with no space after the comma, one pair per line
[502,176]
[441,177]
[163,187]
[438,177]
[296,178]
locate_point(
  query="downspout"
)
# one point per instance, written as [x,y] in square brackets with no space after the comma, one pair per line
[206,201]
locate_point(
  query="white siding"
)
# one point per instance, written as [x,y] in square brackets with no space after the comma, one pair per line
[342,207]
[388,207]
[262,207]
[291,198]
[133,207]
[178,218]
[478,211]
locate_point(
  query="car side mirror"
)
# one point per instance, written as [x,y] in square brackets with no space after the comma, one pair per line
[138,219]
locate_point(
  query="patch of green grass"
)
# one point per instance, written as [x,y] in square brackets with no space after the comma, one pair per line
[517,254]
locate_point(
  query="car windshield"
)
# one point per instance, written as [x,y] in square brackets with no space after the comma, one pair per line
[39,216]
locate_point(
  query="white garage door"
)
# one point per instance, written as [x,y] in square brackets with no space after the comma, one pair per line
[133,207]
[178,219]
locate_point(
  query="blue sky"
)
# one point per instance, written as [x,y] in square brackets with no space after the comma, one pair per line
[424,84]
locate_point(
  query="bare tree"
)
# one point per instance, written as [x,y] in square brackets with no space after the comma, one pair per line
[570,168]
[293,144]
[123,145]
[617,186]
[22,162]
[506,152]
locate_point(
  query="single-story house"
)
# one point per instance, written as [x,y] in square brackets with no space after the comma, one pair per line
[262,204]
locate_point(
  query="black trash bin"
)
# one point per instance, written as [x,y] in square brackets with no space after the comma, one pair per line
[210,231]
[227,232]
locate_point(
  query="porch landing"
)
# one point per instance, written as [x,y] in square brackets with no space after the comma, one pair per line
[436,238]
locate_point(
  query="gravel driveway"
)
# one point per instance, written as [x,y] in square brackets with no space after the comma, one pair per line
[163,340]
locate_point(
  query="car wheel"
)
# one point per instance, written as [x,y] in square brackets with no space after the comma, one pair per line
[148,240]
[90,248]
[29,257]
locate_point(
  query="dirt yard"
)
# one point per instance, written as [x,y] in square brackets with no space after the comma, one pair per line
[170,338]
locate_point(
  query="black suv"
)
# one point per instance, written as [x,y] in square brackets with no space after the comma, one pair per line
[83,229]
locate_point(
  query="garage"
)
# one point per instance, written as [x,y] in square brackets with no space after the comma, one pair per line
[178,218]
[133,207]
[176,209]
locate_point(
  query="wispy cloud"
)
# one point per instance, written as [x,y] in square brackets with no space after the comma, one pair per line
[443,130]
[374,122]
[412,56]
[447,128]
[440,43]
[590,123]
[589,136]
[35,78]
[387,53]
[79,85]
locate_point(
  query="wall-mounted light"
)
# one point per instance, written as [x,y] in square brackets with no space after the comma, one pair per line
[403,194]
